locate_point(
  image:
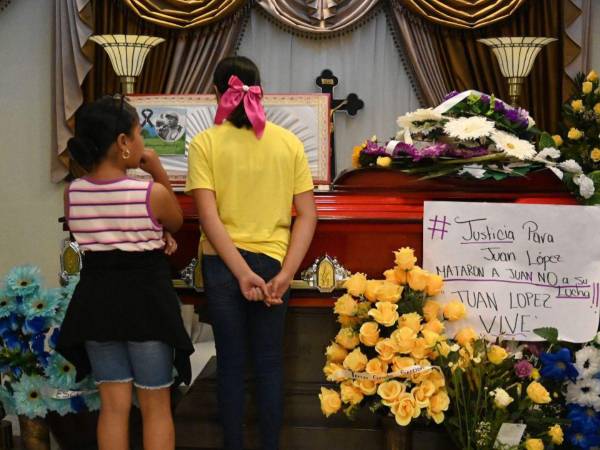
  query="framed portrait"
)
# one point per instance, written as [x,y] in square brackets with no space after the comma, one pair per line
[170,122]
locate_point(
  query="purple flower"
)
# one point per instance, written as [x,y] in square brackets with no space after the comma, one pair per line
[404,149]
[485,98]
[523,368]
[516,116]
[373,149]
[535,348]
[449,95]
[433,151]
[499,106]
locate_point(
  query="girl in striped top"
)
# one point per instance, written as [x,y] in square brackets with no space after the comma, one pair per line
[123,323]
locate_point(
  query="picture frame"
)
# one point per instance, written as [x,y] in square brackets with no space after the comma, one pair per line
[169,123]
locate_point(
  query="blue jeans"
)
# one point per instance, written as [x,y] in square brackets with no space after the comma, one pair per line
[149,364]
[244,328]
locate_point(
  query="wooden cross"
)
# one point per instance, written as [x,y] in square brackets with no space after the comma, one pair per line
[327,81]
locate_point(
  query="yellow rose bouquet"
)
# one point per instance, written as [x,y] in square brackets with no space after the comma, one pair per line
[391,332]
[578,144]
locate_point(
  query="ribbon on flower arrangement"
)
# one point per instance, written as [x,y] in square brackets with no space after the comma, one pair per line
[410,370]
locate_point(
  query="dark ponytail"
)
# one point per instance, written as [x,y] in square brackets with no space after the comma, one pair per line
[246,71]
[97,126]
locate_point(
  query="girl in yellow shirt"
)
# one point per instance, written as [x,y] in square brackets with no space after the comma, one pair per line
[245,174]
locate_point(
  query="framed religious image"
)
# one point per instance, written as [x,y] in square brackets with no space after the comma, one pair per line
[170,122]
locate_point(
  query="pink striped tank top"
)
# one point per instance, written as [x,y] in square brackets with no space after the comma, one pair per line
[113,215]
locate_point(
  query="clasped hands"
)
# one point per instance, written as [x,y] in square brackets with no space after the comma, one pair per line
[255,289]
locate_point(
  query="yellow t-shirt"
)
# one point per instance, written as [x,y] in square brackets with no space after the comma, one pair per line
[254,181]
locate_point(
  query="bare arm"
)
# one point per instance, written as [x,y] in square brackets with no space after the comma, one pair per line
[252,286]
[302,234]
[163,201]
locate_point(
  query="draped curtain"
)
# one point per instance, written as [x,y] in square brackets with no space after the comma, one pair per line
[445,59]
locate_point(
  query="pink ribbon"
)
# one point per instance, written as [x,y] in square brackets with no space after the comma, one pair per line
[233,96]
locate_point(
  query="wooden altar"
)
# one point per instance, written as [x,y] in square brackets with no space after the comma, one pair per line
[366,215]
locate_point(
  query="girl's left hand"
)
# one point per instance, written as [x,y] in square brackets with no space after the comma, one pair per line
[278,286]
[170,243]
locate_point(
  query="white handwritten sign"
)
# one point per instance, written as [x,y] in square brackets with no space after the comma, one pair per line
[517,267]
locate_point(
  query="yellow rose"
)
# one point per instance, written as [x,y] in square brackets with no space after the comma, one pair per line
[400,363]
[384,161]
[367,387]
[405,258]
[496,354]
[376,367]
[465,336]
[346,305]
[438,403]
[348,321]
[411,320]
[356,361]
[592,76]
[534,444]
[386,349]
[556,433]
[422,393]
[444,349]
[389,391]
[385,313]
[405,339]
[538,393]
[350,393]
[356,284]
[330,401]
[363,310]
[535,374]
[431,310]
[454,310]
[558,141]
[575,134]
[421,349]
[434,325]
[336,353]
[434,284]
[371,290]
[347,338]
[369,333]
[431,337]
[401,275]
[390,275]
[587,87]
[334,372]
[405,409]
[597,108]
[417,278]
[595,154]
[437,378]
[389,292]
[356,155]
[577,105]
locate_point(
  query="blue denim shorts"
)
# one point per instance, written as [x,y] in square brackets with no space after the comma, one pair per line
[148,364]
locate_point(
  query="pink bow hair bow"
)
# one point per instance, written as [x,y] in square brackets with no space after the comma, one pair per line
[251,96]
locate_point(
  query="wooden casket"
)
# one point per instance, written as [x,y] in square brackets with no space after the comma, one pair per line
[366,215]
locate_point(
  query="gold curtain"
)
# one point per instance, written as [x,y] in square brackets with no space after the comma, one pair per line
[183,64]
[462,63]
[467,14]
[183,14]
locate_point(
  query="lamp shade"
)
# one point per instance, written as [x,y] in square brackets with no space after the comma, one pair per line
[516,56]
[127,54]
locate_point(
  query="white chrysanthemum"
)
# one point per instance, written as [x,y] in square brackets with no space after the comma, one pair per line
[587,362]
[408,120]
[586,185]
[468,128]
[549,152]
[570,166]
[512,145]
[585,393]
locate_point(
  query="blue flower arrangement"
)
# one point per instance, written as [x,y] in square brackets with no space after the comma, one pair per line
[34,378]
